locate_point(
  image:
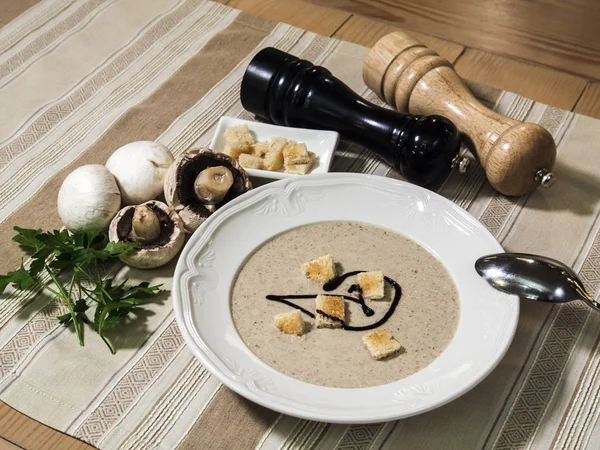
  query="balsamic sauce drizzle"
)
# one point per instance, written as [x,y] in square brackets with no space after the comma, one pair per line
[283,299]
[334,284]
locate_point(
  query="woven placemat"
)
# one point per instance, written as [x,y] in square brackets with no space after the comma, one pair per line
[80,78]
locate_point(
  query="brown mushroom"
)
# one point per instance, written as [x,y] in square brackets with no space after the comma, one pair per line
[200,181]
[158,230]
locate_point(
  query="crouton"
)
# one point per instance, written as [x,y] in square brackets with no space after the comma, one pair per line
[320,270]
[371,284]
[290,322]
[331,311]
[381,344]
[248,161]
[301,169]
[238,140]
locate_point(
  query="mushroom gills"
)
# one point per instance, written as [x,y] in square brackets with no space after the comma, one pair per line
[125,227]
[212,184]
[181,191]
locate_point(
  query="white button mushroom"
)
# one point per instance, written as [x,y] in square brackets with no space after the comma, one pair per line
[200,181]
[157,229]
[140,169]
[88,199]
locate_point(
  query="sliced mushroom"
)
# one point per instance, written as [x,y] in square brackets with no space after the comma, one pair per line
[157,229]
[200,181]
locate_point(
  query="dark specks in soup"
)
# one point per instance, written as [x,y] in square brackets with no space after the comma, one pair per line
[424,321]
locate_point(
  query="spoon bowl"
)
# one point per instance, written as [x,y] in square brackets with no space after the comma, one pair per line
[533,277]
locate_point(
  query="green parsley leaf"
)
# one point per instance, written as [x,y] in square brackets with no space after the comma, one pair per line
[80,306]
[56,240]
[38,260]
[118,249]
[65,319]
[20,278]
[83,258]
[141,291]
[28,238]
[119,303]
[63,262]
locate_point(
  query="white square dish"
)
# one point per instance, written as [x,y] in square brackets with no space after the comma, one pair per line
[321,143]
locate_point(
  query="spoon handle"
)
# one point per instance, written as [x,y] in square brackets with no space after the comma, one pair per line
[587,298]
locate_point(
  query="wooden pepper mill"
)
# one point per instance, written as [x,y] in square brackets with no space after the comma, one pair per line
[516,156]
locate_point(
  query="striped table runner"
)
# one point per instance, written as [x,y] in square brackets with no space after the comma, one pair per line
[80,78]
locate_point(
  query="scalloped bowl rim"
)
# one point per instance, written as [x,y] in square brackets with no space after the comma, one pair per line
[485,331]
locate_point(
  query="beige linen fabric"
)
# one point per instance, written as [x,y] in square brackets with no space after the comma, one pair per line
[79,78]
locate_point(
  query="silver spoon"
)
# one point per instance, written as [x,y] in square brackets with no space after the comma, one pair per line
[533,277]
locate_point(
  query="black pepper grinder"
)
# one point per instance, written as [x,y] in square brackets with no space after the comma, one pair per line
[280,88]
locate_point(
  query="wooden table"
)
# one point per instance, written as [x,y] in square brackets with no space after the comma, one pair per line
[546,50]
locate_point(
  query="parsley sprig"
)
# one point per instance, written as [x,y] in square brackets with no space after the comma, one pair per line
[69,266]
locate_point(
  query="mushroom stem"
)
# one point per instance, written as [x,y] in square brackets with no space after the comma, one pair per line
[145,225]
[212,184]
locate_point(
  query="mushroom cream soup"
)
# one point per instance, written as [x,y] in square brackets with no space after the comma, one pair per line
[423,322]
